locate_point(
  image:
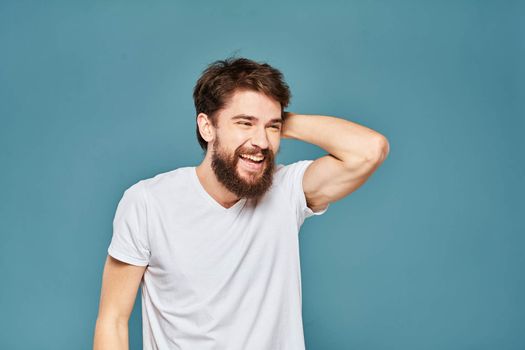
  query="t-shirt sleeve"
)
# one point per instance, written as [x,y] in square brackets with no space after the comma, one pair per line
[129,242]
[294,180]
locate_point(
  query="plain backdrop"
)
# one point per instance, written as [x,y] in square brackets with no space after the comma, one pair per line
[428,254]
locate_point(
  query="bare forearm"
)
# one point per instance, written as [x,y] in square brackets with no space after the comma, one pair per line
[110,335]
[343,139]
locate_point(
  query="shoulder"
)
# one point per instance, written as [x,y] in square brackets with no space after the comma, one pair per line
[167,178]
[161,182]
[292,171]
[289,177]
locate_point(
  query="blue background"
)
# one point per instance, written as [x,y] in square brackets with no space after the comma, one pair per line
[428,254]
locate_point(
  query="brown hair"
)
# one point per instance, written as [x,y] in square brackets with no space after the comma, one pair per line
[222,78]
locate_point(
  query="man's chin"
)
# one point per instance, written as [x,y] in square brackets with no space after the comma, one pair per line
[252,184]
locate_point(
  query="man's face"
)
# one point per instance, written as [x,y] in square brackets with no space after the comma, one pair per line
[246,141]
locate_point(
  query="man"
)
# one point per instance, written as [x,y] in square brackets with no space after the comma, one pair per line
[215,247]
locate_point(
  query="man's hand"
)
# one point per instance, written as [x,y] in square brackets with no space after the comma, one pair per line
[285,125]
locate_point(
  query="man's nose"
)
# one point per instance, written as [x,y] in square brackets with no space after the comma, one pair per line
[260,139]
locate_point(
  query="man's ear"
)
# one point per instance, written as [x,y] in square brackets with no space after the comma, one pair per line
[206,128]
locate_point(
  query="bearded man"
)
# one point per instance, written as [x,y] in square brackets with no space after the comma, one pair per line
[215,247]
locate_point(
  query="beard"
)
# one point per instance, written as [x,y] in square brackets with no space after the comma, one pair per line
[225,168]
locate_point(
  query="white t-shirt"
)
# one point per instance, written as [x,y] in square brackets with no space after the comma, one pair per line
[216,278]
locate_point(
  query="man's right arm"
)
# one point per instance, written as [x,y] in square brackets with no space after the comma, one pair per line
[120,283]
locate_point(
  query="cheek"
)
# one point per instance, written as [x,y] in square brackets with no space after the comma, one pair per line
[231,142]
[238,139]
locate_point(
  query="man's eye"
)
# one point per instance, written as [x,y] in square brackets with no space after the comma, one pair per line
[245,123]
[276,127]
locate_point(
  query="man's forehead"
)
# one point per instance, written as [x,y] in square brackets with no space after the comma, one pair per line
[253,103]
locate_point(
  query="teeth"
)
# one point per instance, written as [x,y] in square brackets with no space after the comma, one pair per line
[254,158]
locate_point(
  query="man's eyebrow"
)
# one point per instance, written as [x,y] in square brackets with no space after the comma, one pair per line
[252,118]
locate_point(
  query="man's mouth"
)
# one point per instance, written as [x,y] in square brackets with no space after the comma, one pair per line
[252,158]
[251,162]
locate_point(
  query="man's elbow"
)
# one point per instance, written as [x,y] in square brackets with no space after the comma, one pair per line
[379,150]
[110,334]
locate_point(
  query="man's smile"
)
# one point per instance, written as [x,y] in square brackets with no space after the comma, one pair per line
[250,164]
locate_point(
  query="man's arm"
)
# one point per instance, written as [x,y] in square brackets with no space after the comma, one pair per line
[120,284]
[355,152]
